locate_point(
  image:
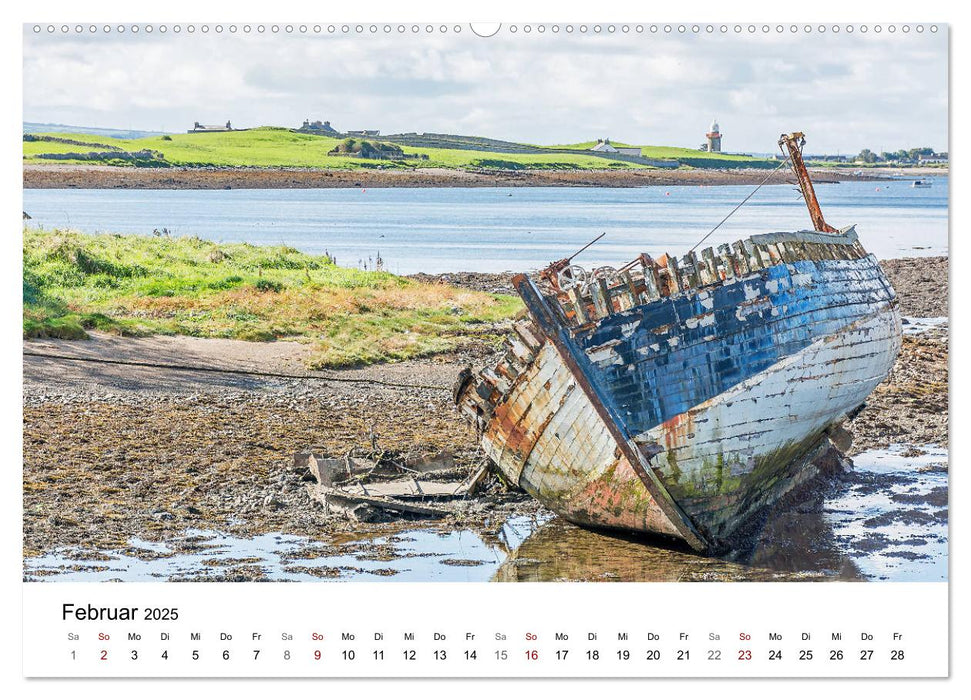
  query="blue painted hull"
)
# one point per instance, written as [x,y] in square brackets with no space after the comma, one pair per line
[667,364]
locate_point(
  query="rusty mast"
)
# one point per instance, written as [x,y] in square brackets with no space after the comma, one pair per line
[793,143]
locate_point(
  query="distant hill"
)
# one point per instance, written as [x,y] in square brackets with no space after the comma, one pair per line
[465,143]
[38,128]
[275,147]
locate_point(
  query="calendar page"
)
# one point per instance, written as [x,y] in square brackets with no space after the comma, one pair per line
[438,349]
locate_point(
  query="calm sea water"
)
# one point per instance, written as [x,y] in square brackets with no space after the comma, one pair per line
[499,229]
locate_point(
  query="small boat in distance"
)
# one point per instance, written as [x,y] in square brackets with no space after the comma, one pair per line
[921,183]
[681,396]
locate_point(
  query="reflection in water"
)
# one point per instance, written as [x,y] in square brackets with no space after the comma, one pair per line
[559,551]
[397,554]
[885,519]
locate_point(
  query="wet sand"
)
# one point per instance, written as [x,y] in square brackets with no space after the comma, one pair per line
[911,406]
[154,464]
[57,176]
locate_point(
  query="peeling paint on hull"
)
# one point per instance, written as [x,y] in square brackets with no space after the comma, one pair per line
[682,402]
[727,455]
[571,465]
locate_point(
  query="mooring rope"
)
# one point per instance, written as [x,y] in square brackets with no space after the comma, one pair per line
[739,206]
[226,370]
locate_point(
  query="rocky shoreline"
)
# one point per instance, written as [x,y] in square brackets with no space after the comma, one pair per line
[114,452]
[63,176]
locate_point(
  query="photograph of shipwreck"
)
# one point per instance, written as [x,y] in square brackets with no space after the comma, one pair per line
[278,348]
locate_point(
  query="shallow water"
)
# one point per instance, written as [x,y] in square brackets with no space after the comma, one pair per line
[885,520]
[925,325]
[420,554]
[893,519]
[497,229]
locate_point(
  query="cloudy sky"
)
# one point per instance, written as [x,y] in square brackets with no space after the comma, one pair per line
[847,91]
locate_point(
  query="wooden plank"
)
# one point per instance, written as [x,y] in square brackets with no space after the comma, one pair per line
[408,487]
[327,470]
[325,494]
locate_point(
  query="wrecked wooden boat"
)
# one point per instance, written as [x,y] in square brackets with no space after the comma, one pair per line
[681,396]
[363,489]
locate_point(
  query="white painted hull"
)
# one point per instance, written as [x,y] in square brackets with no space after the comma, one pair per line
[727,437]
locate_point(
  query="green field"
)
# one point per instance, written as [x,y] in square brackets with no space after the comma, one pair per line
[685,156]
[278,147]
[137,285]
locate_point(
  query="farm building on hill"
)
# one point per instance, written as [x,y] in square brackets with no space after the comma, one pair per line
[209,128]
[604,146]
[318,127]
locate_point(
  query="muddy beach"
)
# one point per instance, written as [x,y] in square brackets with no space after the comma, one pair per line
[136,473]
[62,176]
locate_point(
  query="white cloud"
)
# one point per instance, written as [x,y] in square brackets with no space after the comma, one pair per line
[847,92]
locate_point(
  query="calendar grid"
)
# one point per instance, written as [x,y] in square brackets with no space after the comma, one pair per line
[420,630]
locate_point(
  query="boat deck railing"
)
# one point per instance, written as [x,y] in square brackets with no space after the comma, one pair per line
[608,291]
[643,281]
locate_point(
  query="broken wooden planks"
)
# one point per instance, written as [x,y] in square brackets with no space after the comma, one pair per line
[332,498]
[348,486]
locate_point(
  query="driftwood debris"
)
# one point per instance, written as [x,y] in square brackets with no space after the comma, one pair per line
[329,471]
[342,501]
[364,489]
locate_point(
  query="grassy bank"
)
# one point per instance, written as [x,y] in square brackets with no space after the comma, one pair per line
[278,147]
[138,285]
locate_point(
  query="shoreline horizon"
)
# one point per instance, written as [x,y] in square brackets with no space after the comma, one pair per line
[75,176]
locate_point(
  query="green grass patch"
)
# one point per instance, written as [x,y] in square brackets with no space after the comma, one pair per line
[139,285]
[686,156]
[459,158]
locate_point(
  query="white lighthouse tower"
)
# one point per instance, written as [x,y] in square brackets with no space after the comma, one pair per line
[714,137]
